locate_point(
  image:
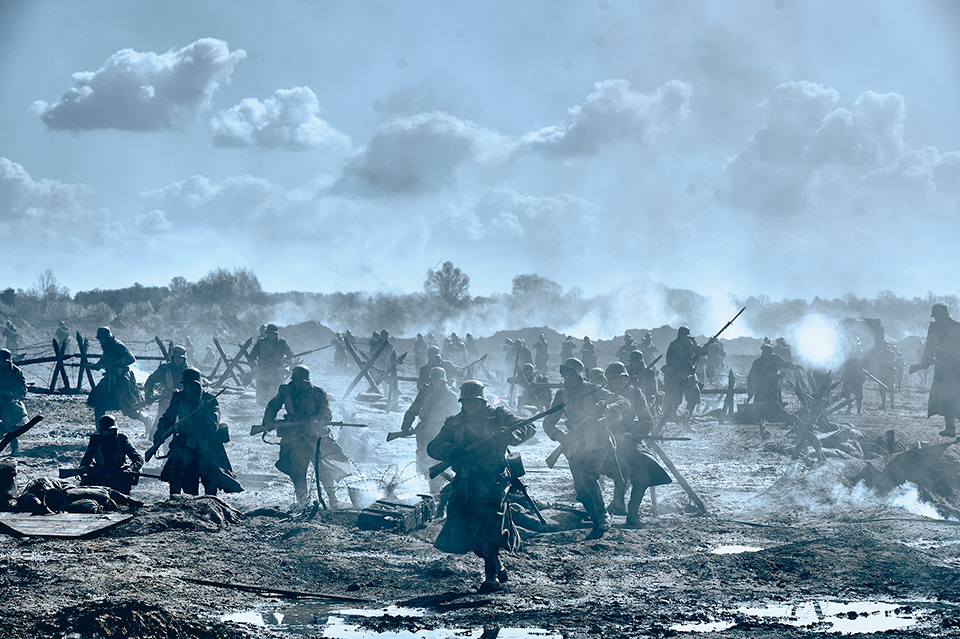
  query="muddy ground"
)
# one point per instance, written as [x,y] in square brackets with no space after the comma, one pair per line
[788,548]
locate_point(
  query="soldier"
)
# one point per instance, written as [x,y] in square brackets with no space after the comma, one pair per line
[106,458]
[783,349]
[62,335]
[628,346]
[269,358]
[597,376]
[567,348]
[474,442]
[339,353]
[420,351]
[196,454]
[852,379]
[591,412]
[13,388]
[11,337]
[167,377]
[942,351]
[541,357]
[533,386]
[884,367]
[434,360]
[303,428]
[433,404]
[635,464]
[470,346]
[680,375]
[647,347]
[647,380]
[763,380]
[715,358]
[588,354]
[117,389]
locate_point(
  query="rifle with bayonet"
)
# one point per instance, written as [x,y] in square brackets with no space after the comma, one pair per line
[312,350]
[159,437]
[436,469]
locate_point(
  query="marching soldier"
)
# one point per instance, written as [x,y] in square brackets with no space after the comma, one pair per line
[433,404]
[304,428]
[196,454]
[591,412]
[269,357]
[166,377]
[475,442]
[117,389]
[680,375]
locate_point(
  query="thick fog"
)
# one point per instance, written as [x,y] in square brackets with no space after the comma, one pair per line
[775,147]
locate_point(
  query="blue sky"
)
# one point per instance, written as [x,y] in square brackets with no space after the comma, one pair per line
[756,147]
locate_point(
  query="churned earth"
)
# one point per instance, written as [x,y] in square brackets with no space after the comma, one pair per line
[787,548]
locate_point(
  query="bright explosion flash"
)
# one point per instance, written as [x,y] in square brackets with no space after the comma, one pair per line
[819,341]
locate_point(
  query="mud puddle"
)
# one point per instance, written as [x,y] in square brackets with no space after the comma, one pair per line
[318,619]
[847,617]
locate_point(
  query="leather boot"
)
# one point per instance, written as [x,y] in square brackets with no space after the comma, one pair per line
[950,429]
[490,583]
[598,513]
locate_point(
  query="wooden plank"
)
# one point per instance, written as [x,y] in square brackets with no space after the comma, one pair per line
[65,525]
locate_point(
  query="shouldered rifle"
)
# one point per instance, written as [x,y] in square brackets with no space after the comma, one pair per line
[95,471]
[648,367]
[436,469]
[159,438]
[12,435]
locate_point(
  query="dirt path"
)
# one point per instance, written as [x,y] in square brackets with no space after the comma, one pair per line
[787,548]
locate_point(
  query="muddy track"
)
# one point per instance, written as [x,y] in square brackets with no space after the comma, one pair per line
[778,532]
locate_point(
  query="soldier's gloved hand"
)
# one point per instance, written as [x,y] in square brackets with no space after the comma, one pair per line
[506,436]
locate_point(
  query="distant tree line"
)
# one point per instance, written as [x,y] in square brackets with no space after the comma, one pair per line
[444,304]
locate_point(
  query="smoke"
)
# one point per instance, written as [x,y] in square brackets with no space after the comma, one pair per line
[818,341]
[902,497]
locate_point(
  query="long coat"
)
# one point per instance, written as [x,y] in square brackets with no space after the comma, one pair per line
[943,351]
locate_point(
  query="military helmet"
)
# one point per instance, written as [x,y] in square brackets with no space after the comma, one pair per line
[683,330]
[178,351]
[939,310]
[273,328]
[438,372]
[472,390]
[637,356]
[106,422]
[766,348]
[5,354]
[433,350]
[574,365]
[300,373]
[190,374]
[104,332]
[596,375]
[527,367]
[384,334]
[615,369]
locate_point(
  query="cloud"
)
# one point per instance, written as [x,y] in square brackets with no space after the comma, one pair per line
[417,155]
[45,215]
[137,91]
[611,114]
[289,120]
[812,155]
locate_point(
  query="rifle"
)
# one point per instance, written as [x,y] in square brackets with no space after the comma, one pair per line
[256,429]
[555,455]
[12,435]
[882,385]
[312,350]
[436,469]
[402,433]
[518,486]
[918,367]
[107,472]
[725,326]
[157,444]
[474,363]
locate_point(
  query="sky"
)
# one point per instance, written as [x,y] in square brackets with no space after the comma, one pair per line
[775,147]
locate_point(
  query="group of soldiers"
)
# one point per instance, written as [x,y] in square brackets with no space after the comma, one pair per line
[605,429]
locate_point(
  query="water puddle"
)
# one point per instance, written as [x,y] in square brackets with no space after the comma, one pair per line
[734,550]
[316,619]
[826,616]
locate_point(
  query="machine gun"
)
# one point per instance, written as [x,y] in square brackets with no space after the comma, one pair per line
[436,469]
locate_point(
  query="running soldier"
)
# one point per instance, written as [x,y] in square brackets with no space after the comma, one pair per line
[13,389]
[433,404]
[117,389]
[269,357]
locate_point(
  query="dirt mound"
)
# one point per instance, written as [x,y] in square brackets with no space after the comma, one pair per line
[60,452]
[108,620]
[183,513]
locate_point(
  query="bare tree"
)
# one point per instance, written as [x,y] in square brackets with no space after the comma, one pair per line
[449,283]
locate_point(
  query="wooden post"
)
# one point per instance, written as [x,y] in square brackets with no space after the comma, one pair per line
[655,447]
[364,367]
[84,363]
[59,368]
[230,364]
[728,401]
